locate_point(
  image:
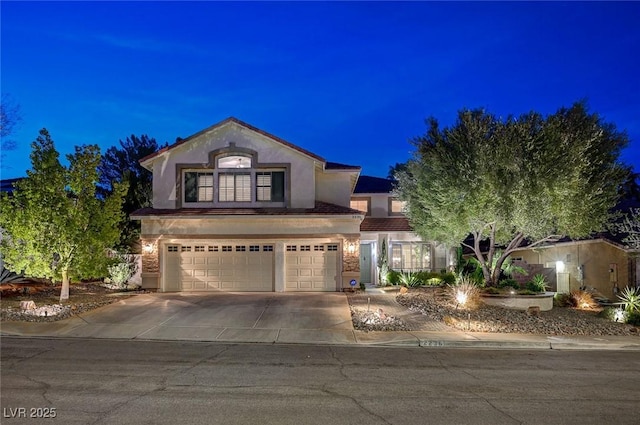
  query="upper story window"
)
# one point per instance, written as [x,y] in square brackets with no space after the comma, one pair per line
[198,186]
[235,179]
[234,187]
[270,186]
[396,206]
[234,161]
[361,204]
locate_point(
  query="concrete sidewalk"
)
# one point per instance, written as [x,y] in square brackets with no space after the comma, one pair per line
[76,327]
[189,318]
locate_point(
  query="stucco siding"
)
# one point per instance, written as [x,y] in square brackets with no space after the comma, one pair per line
[334,188]
[197,151]
[605,267]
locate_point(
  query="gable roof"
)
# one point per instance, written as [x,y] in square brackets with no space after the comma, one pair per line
[240,123]
[370,184]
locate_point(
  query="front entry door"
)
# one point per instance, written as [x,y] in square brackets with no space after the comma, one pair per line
[365,263]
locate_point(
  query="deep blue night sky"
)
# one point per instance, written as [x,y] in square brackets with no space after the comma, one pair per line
[351,82]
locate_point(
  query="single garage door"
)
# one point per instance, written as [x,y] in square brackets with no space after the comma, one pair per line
[311,267]
[219,267]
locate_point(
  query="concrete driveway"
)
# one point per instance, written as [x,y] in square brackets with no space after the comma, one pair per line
[229,317]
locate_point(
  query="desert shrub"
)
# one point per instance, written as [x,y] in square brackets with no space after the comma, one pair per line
[509,283]
[614,314]
[410,279]
[464,293]
[582,300]
[630,298]
[538,283]
[633,318]
[562,300]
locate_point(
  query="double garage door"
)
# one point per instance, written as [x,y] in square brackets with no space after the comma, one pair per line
[243,266]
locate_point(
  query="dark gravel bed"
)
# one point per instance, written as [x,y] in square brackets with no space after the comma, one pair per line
[558,321]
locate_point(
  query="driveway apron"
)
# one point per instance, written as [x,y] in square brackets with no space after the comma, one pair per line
[223,316]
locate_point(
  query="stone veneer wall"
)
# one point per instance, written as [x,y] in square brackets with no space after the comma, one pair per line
[150,261]
[351,260]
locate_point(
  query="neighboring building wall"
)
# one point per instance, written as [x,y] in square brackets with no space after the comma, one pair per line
[605,267]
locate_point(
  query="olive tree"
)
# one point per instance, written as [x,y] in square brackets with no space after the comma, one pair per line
[514,182]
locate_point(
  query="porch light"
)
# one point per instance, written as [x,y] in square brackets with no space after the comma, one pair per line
[351,248]
[559,266]
[147,248]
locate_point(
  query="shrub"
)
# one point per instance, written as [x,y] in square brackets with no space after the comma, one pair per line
[562,300]
[393,277]
[614,314]
[633,318]
[464,293]
[509,283]
[527,292]
[630,298]
[582,300]
[410,279]
[537,284]
[491,290]
[121,271]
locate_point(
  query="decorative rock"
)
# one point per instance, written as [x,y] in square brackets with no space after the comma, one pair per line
[27,305]
[534,310]
[403,290]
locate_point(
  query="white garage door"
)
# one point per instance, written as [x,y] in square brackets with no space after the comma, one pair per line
[311,267]
[219,267]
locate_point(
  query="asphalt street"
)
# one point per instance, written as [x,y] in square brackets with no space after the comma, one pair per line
[98,381]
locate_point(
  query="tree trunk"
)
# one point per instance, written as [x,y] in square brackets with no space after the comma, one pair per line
[64,291]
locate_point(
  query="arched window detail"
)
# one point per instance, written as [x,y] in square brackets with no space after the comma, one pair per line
[234,161]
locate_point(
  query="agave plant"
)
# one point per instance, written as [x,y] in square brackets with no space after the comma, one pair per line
[538,283]
[7,276]
[409,279]
[630,298]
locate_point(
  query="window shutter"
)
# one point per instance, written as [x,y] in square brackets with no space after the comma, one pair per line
[190,187]
[277,186]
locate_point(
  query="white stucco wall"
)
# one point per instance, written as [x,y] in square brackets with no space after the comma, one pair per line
[333,187]
[196,151]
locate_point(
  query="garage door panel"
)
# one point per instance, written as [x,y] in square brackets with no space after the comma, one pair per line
[311,270]
[233,267]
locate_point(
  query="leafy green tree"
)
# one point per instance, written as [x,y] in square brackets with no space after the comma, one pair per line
[513,182]
[54,225]
[121,165]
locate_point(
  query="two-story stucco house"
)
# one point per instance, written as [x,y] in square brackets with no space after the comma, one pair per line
[238,209]
[385,223]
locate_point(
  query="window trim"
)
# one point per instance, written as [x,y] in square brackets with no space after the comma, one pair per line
[402,266]
[362,198]
[233,150]
[391,213]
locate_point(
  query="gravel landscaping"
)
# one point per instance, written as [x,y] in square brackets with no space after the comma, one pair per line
[83,297]
[434,306]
